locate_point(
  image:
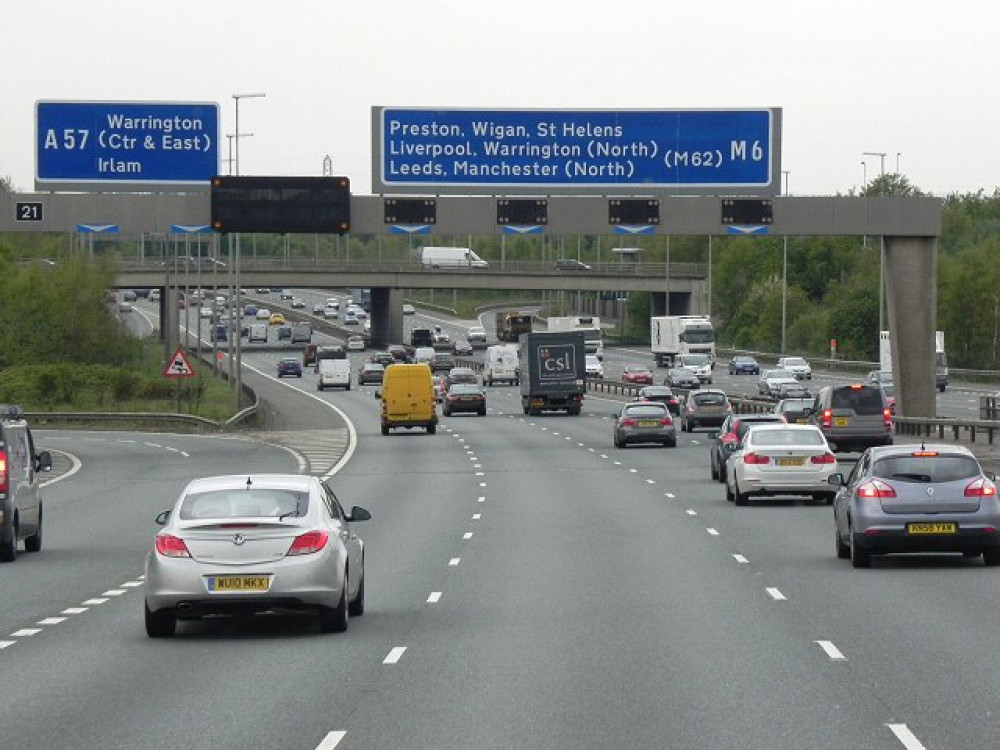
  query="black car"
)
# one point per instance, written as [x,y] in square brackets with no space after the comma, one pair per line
[727,440]
[383,358]
[663,394]
[285,332]
[464,397]
[442,362]
[461,375]
[398,352]
[371,372]
[742,364]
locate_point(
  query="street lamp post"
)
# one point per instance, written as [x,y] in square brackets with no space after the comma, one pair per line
[785,173]
[237,98]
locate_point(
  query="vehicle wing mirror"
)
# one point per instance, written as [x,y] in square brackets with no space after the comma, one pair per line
[836,479]
[991,476]
[359,514]
[378,393]
[43,461]
[162,518]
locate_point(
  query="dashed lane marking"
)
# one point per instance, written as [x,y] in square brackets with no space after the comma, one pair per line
[832,651]
[740,559]
[454,561]
[25,632]
[395,655]
[331,740]
[434,598]
[904,735]
[776,595]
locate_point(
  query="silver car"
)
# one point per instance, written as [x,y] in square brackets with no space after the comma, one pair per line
[915,498]
[247,544]
[781,459]
[645,422]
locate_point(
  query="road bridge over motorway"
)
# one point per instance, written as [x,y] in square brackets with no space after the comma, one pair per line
[909,226]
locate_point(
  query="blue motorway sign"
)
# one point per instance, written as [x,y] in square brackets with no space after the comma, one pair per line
[605,152]
[135,145]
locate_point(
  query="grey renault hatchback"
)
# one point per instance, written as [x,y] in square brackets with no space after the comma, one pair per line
[852,417]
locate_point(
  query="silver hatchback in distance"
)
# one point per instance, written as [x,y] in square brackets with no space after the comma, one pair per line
[645,422]
[915,498]
[247,544]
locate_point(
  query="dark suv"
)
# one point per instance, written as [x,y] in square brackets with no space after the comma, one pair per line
[852,417]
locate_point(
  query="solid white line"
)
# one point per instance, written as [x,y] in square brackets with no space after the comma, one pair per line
[904,735]
[73,611]
[25,632]
[476,516]
[395,655]
[7,644]
[832,651]
[691,512]
[434,598]
[776,595]
[712,532]
[51,621]
[92,602]
[77,464]
[740,559]
[331,740]
[454,561]
[467,535]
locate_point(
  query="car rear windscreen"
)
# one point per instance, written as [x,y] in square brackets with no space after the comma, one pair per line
[245,503]
[777,438]
[709,399]
[936,468]
[864,400]
[645,411]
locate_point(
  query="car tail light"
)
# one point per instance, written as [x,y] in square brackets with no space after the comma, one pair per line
[169,545]
[306,544]
[826,419]
[924,454]
[887,417]
[628,423]
[826,458]
[981,487]
[855,386]
[756,459]
[876,488]
[666,422]
[3,471]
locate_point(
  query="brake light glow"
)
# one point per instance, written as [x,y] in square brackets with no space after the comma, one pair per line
[924,454]
[856,387]
[887,416]
[3,471]
[876,488]
[666,422]
[826,419]
[729,438]
[826,458]
[756,459]
[169,545]
[981,487]
[308,543]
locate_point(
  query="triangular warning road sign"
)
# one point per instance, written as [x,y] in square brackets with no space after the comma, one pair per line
[179,367]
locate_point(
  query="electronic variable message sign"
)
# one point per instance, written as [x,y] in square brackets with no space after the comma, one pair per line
[123,146]
[593,152]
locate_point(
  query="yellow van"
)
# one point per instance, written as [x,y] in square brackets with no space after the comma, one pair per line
[408,398]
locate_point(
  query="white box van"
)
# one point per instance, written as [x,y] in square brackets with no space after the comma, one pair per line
[423,354]
[451,257]
[258,332]
[334,373]
[502,365]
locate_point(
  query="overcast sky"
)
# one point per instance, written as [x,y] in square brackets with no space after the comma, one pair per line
[913,77]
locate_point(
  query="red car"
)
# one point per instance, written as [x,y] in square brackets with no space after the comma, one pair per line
[639,374]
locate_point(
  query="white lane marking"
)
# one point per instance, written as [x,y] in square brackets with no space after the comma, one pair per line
[477,466]
[93,602]
[568,437]
[480,473]
[691,512]
[695,442]
[904,735]
[633,471]
[7,644]
[454,561]
[712,532]
[603,455]
[668,494]
[832,651]
[133,442]
[618,463]
[581,445]
[482,484]
[434,598]
[481,499]
[185,454]
[352,434]
[77,464]
[650,481]
[476,516]
[467,535]
[776,595]
[73,611]
[591,450]
[740,559]
[153,445]
[113,592]
[554,432]
[131,584]
[331,740]
[174,450]
[51,621]
[395,655]
[25,632]
[142,577]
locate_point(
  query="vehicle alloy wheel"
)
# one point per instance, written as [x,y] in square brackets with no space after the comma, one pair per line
[160,624]
[33,543]
[335,619]
[859,558]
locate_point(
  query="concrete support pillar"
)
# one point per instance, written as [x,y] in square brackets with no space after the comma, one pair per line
[169,320]
[911,294]
[387,316]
